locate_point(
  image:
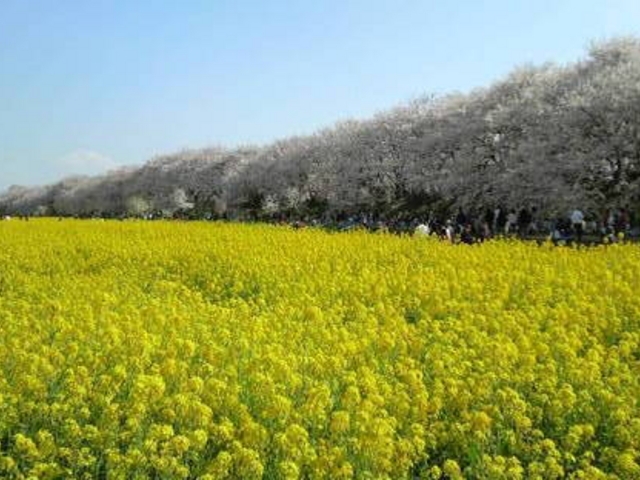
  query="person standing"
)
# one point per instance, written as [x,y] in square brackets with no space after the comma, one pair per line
[524,221]
[577,223]
[461,220]
[489,222]
[422,230]
[501,220]
[512,222]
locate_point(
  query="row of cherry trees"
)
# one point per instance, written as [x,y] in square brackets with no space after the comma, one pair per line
[554,137]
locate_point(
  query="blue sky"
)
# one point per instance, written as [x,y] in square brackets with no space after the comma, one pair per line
[86,86]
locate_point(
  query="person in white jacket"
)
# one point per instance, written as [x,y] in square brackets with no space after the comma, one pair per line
[577,223]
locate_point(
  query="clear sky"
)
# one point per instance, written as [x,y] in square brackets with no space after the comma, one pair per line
[86,86]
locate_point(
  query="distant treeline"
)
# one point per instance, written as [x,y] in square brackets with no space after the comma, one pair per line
[550,137]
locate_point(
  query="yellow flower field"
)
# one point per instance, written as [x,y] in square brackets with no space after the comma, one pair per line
[133,350]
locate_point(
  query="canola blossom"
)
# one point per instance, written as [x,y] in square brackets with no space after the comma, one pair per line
[133,350]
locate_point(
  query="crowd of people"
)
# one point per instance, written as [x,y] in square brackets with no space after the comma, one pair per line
[525,223]
[575,227]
